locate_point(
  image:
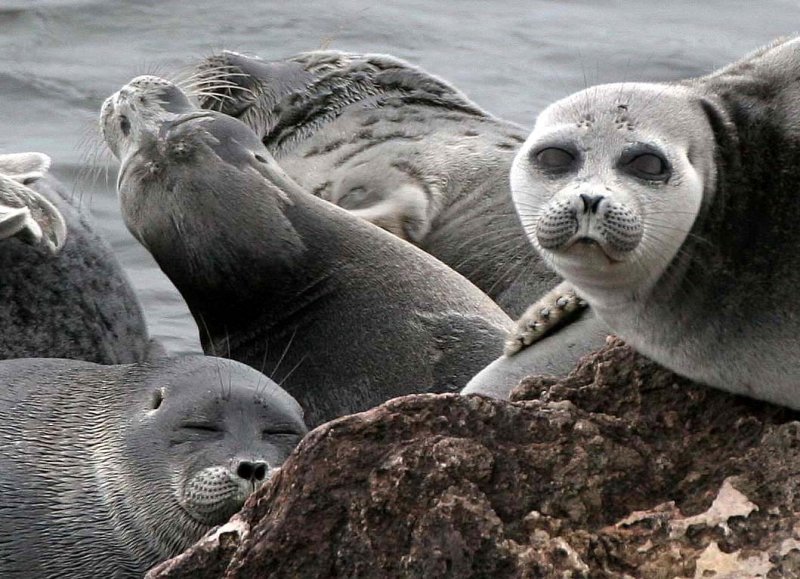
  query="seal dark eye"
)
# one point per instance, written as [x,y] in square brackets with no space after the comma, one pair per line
[644,163]
[124,125]
[648,164]
[158,398]
[555,158]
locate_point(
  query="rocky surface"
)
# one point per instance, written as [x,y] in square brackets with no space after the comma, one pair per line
[620,470]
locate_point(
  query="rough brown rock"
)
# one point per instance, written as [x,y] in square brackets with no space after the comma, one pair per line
[620,470]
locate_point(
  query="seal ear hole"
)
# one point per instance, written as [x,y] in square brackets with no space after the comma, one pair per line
[260,158]
[157,399]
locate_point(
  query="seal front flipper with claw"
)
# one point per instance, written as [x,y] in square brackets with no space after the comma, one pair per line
[556,308]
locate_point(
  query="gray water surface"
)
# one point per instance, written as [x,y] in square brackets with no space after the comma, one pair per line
[62,58]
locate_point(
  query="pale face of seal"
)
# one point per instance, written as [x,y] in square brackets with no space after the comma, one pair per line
[24,213]
[217,443]
[610,182]
[136,109]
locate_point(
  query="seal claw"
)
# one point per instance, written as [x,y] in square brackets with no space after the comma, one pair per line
[555,309]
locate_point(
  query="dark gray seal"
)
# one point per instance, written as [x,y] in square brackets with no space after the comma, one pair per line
[107,470]
[395,145]
[63,294]
[343,313]
[671,207]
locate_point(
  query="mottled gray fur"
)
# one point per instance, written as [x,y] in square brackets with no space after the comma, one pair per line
[75,304]
[397,146]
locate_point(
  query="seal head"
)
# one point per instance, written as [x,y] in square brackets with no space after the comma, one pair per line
[610,182]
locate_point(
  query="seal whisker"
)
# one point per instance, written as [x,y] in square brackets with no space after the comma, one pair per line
[295,367]
[283,355]
[209,337]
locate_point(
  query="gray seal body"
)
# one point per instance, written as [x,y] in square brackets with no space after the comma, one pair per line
[671,208]
[341,313]
[107,470]
[396,146]
[71,301]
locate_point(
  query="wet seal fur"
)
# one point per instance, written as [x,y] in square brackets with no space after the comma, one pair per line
[343,314]
[396,146]
[107,470]
[63,294]
[670,208]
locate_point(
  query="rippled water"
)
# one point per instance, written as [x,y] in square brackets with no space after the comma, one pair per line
[61,58]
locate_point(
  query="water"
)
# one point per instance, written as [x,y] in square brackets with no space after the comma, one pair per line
[61,58]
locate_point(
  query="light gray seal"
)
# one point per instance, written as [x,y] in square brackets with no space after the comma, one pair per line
[671,208]
[395,145]
[63,294]
[349,314]
[107,470]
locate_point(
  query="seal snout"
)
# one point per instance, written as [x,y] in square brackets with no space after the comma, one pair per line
[591,220]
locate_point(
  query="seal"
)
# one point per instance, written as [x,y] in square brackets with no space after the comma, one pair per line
[670,209]
[345,314]
[107,470]
[63,294]
[395,145]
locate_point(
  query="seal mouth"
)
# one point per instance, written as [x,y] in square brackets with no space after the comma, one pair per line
[586,246]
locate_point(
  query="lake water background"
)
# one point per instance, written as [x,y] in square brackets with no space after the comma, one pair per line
[62,58]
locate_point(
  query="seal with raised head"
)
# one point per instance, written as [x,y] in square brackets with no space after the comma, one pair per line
[395,145]
[670,208]
[107,470]
[344,314]
[63,294]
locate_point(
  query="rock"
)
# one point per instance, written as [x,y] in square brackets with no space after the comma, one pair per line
[620,470]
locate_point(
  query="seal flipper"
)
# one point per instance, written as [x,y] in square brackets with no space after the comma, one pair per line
[458,347]
[558,307]
[24,168]
[378,192]
[29,216]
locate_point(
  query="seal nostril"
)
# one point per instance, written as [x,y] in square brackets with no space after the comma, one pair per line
[591,202]
[260,471]
[251,471]
[245,470]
